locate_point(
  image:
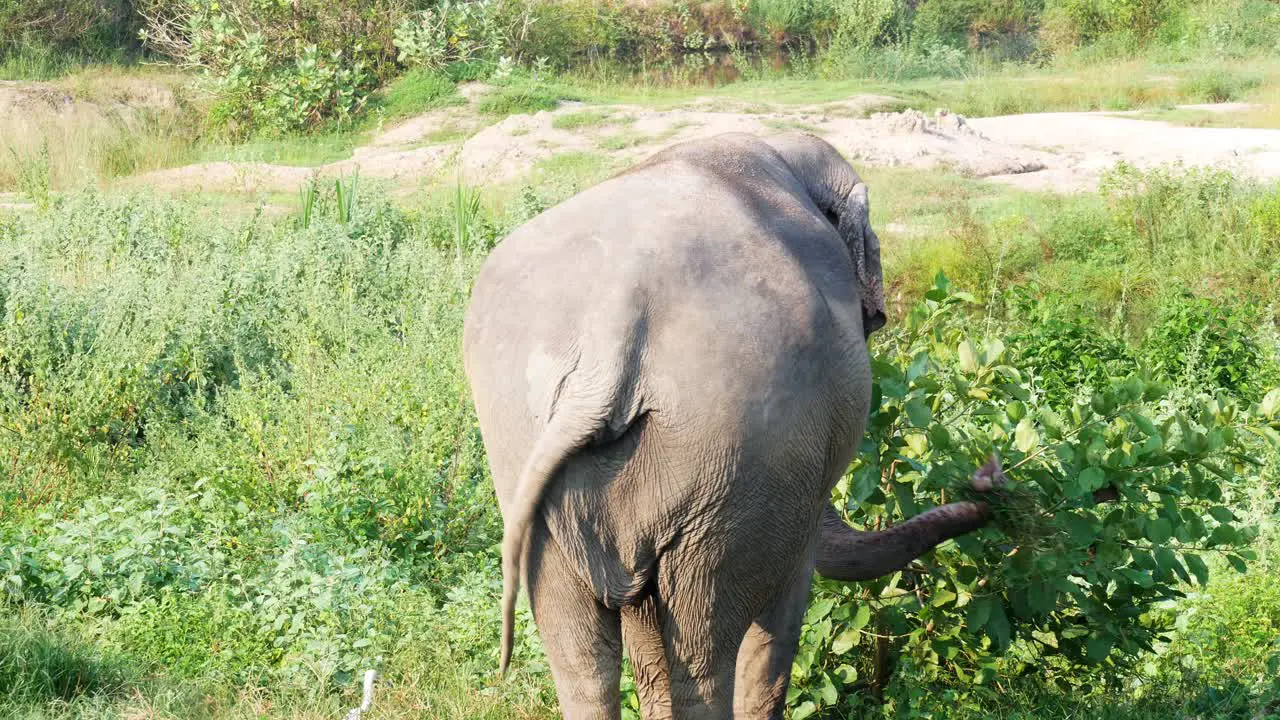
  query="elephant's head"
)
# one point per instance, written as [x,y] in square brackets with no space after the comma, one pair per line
[842,196]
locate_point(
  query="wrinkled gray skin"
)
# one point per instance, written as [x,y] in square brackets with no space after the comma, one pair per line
[670,372]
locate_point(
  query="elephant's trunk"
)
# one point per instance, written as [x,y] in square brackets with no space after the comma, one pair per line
[848,554]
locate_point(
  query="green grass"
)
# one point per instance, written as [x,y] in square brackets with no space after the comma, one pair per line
[583,119]
[1111,84]
[40,667]
[522,96]
[302,150]
[414,92]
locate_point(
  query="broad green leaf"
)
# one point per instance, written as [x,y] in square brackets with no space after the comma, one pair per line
[919,366]
[1224,535]
[1167,560]
[968,360]
[1016,410]
[845,641]
[1042,597]
[1026,439]
[1238,563]
[994,349]
[939,437]
[894,389]
[804,710]
[1159,530]
[918,413]
[861,617]
[1270,404]
[978,613]
[1222,514]
[1147,426]
[819,610]
[1092,478]
[1080,530]
[1197,568]
[828,692]
[998,625]
[1099,647]
[904,492]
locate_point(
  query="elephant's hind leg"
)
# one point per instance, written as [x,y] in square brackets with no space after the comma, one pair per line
[582,638]
[764,659]
[703,620]
[642,636]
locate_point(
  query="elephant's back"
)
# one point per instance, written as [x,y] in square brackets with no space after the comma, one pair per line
[739,284]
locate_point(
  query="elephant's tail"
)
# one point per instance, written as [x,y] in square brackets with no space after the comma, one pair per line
[575,422]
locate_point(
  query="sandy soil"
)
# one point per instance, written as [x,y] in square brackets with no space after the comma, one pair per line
[1064,152]
[1085,144]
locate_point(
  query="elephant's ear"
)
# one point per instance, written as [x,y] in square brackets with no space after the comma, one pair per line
[864,246]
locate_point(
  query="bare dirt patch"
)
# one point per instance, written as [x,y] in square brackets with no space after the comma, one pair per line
[1063,152]
[1086,144]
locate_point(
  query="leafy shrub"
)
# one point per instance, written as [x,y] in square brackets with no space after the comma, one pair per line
[276,65]
[1210,344]
[1175,213]
[1215,86]
[1066,352]
[1112,503]
[1235,27]
[245,448]
[44,37]
[450,32]
[971,23]
[1068,24]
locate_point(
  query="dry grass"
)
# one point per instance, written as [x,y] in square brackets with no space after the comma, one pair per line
[93,126]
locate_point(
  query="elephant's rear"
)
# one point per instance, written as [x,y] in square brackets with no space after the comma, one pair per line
[740,307]
[667,366]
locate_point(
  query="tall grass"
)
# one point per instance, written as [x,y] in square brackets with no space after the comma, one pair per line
[87,143]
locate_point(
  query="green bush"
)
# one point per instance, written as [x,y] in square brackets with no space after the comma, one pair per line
[1069,24]
[1174,213]
[1235,27]
[280,66]
[972,23]
[1114,500]
[1211,344]
[1067,352]
[451,33]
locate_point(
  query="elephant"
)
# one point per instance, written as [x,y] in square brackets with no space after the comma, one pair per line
[670,374]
